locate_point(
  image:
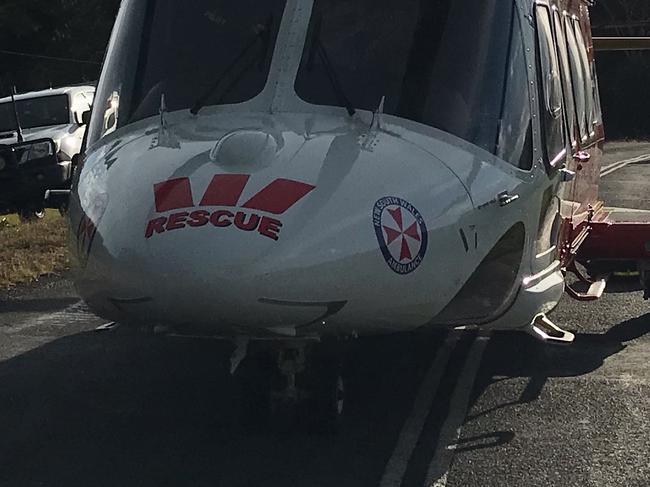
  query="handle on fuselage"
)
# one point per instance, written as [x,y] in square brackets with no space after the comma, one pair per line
[506,198]
[582,157]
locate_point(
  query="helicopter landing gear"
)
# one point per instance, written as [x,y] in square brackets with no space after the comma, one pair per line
[291,362]
[545,330]
[324,389]
[296,384]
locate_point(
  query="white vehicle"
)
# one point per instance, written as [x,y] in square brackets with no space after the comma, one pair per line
[55,114]
[34,118]
[292,171]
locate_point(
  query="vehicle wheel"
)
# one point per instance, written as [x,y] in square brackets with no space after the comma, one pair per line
[254,379]
[31,215]
[331,406]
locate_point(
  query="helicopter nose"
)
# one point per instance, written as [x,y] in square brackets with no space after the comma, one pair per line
[330,223]
[196,242]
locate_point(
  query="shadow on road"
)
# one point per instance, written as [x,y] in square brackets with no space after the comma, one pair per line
[129,409]
[115,409]
[35,305]
[512,355]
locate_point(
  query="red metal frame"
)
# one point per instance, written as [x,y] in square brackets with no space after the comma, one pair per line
[612,240]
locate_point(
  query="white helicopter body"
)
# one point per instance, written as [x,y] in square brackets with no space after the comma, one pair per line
[312,199]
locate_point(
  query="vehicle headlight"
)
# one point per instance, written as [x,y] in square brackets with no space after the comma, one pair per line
[37,150]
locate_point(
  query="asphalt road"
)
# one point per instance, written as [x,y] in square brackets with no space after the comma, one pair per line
[629,186]
[80,407]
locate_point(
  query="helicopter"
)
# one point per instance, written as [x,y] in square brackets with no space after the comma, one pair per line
[293,174]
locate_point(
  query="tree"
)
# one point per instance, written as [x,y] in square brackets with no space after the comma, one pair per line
[624,76]
[74,30]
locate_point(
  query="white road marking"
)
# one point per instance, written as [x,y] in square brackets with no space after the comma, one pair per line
[412,429]
[621,164]
[452,427]
[76,312]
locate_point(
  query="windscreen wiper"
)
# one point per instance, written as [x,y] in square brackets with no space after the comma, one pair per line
[263,36]
[317,47]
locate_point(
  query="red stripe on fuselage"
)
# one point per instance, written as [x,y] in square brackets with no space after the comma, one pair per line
[225,190]
[279,196]
[173,194]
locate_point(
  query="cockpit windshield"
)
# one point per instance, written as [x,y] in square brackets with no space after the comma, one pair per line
[439,62]
[456,65]
[196,53]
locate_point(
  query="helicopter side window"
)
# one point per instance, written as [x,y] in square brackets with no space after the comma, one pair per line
[577,74]
[569,100]
[515,140]
[552,102]
[586,69]
[598,110]
[436,62]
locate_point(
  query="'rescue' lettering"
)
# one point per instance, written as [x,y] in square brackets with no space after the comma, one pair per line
[248,222]
[174,197]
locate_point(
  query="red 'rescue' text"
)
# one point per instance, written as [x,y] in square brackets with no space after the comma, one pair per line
[249,222]
[224,190]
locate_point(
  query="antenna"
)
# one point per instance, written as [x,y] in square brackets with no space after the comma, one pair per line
[19,130]
[377,118]
[162,110]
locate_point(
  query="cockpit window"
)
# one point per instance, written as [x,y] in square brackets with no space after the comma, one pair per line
[196,53]
[438,62]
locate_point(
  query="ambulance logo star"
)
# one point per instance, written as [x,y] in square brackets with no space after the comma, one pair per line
[401,233]
[410,234]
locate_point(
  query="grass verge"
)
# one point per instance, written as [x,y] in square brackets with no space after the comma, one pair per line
[31,250]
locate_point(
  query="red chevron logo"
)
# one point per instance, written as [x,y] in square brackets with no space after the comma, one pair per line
[225,190]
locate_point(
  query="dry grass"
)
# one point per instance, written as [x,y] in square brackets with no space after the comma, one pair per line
[31,250]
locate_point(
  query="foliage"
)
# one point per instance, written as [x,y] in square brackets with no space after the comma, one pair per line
[31,250]
[76,29]
[624,76]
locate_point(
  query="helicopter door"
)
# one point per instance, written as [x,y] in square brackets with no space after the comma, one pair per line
[556,105]
[588,157]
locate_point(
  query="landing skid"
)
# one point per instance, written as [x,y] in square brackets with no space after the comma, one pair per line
[111,326]
[544,329]
[596,287]
[595,291]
